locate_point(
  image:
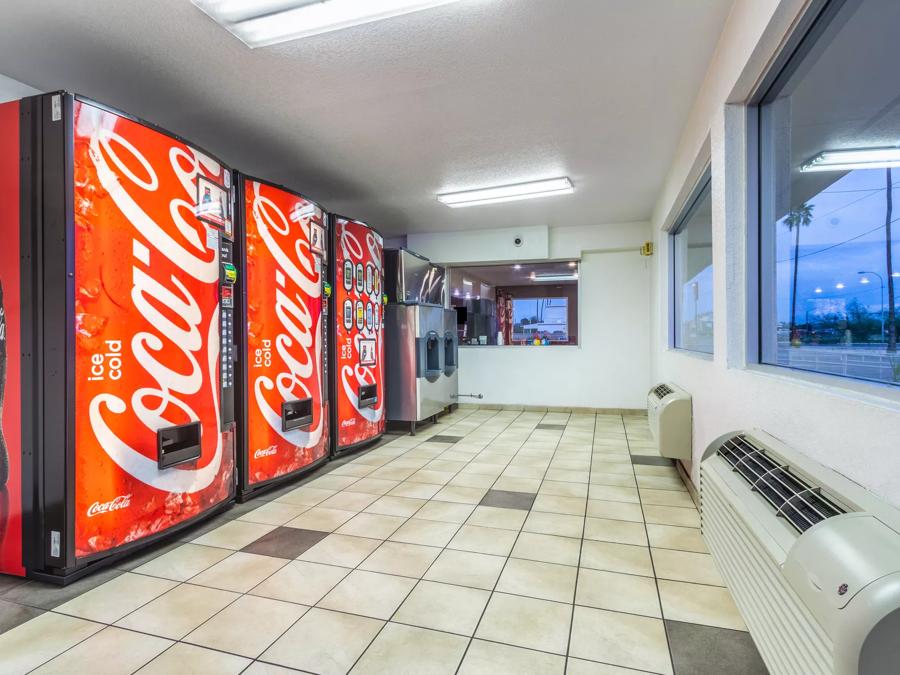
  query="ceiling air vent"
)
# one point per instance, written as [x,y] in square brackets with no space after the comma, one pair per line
[794,499]
[662,391]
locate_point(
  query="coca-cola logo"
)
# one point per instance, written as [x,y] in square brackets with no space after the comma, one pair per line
[298,342]
[265,452]
[179,348]
[120,502]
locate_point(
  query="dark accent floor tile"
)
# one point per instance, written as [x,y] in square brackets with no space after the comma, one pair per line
[11,615]
[652,460]
[285,542]
[552,427]
[440,438]
[505,499]
[47,596]
[704,650]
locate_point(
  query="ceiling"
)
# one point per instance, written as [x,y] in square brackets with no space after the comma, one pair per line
[508,275]
[375,120]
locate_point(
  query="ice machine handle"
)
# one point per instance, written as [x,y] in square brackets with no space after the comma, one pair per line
[178,445]
[296,414]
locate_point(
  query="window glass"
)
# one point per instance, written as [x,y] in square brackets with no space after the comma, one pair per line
[541,320]
[829,175]
[692,283]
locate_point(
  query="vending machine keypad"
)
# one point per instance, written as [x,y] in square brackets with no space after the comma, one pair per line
[229,277]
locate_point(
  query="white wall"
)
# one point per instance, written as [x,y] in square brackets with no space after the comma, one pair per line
[610,367]
[482,246]
[11,89]
[852,428]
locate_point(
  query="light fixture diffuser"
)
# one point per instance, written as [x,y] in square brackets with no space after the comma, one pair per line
[554,277]
[508,193]
[260,23]
[849,160]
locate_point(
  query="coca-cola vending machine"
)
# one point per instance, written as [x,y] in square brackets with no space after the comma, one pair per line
[283,409]
[357,375]
[117,277]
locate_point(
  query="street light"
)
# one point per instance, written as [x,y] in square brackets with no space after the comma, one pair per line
[881,279]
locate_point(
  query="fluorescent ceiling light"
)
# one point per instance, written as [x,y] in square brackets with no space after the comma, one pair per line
[259,23]
[508,193]
[554,277]
[848,160]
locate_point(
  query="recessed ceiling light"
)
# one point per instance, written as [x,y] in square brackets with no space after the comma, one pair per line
[554,277]
[259,23]
[573,264]
[508,193]
[818,290]
[517,267]
[839,285]
[848,160]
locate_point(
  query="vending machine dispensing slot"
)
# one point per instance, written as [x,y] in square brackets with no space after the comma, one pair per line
[368,395]
[296,414]
[450,352]
[178,445]
[430,356]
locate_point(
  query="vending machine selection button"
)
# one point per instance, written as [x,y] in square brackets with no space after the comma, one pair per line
[230,273]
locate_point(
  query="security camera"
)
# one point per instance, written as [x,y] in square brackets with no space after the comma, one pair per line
[518,241]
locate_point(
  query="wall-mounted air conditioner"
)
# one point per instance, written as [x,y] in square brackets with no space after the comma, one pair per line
[812,559]
[669,415]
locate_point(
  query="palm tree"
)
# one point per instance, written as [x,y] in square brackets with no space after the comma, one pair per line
[795,219]
[892,324]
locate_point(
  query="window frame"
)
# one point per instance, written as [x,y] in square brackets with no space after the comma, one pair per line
[812,27]
[680,222]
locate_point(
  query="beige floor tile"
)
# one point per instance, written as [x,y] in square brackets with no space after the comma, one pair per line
[330,642]
[373,486]
[561,489]
[234,535]
[111,601]
[491,516]
[538,580]
[618,592]
[247,626]
[460,495]
[393,472]
[306,496]
[399,648]
[568,476]
[483,540]
[671,515]
[260,668]
[431,477]
[616,531]
[368,594]
[624,558]
[331,482]
[274,513]
[620,639]
[547,548]
[321,519]
[189,659]
[509,484]
[302,582]
[694,603]
[574,506]
[454,609]
[555,523]
[425,532]
[666,498]
[349,501]
[184,562]
[406,560]
[697,568]
[112,651]
[465,568]
[471,480]
[582,667]
[678,538]
[448,512]
[371,525]
[518,471]
[395,506]
[600,481]
[491,658]
[34,642]
[661,483]
[526,622]
[341,550]
[351,469]
[239,572]
[599,508]
[615,494]
[415,490]
[178,612]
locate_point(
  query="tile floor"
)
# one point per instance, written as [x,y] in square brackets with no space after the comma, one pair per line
[491,542]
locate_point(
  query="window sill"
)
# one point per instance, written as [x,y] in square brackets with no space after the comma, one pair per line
[553,347]
[872,393]
[701,356]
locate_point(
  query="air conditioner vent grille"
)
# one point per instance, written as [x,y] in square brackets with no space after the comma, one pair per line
[799,502]
[662,391]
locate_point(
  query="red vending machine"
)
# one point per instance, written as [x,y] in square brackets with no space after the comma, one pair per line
[283,410]
[117,279]
[357,375]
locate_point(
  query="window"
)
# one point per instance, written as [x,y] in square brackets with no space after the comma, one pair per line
[829,167]
[526,304]
[692,273]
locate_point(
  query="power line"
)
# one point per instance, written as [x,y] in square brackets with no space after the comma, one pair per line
[840,243]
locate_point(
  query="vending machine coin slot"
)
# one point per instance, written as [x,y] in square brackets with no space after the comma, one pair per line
[178,445]
[296,414]
[368,395]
